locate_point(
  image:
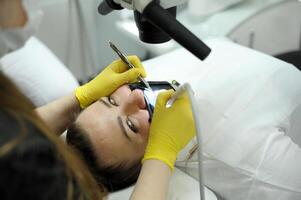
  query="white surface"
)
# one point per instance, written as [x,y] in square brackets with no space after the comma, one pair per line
[249,104]
[182,187]
[220,24]
[274,30]
[200,8]
[38,73]
[79,36]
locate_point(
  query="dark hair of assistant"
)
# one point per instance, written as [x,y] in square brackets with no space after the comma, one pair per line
[114,178]
[34,162]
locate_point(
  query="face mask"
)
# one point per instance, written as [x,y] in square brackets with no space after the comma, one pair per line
[14,38]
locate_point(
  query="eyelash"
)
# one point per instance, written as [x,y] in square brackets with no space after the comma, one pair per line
[112,101]
[131,125]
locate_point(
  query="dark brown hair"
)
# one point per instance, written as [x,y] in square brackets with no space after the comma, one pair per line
[112,177]
[20,108]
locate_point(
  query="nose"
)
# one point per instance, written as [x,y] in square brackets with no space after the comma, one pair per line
[134,102]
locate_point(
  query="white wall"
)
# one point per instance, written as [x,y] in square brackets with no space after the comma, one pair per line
[83,47]
[274,30]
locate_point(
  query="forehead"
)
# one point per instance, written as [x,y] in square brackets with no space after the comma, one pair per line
[109,143]
[102,130]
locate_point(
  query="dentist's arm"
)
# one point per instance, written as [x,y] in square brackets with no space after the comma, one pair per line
[153,181]
[58,114]
[12,14]
[171,129]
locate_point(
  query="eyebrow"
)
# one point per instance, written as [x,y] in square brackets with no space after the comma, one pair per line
[105,103]
[123,128]
[118,119]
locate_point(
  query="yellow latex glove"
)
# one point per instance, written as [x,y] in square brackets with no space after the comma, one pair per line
[171,129]
[111,78]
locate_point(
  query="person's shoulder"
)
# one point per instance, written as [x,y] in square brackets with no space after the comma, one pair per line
[25,140]
[29,162]
[9,126]
[13,124]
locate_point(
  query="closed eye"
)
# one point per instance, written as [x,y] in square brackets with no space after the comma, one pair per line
[112,101]
[119,120]
[131,125]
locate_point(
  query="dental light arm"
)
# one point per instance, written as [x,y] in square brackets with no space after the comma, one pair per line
[156,21]
[140,5]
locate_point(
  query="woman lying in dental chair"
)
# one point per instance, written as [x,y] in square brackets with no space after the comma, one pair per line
[248,116]
[247,108]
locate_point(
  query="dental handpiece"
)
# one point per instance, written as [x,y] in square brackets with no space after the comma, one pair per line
[129,64]
[179,91]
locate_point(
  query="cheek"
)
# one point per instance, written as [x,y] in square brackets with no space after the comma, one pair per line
[138,149]
[142,117]
[140,152]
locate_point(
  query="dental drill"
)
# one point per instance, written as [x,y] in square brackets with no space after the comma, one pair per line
[179,92]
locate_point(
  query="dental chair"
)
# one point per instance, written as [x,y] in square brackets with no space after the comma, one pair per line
[42,77]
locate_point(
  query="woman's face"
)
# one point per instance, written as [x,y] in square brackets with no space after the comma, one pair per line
[117,126]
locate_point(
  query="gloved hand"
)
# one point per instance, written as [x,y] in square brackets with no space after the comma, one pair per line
[171,129]
[112,77]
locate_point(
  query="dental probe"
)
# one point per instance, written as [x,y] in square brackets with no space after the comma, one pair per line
[129,64]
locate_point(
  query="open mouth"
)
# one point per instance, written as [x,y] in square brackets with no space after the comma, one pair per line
[150,96]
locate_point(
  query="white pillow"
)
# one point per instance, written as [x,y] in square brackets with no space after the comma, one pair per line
[40,75]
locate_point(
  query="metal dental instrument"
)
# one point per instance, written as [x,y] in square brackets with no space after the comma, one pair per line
[129,64]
